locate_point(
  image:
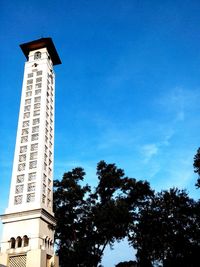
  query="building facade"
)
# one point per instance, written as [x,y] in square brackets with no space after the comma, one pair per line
[28,222]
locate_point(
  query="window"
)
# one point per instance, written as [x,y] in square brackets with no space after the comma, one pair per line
[33,164]
[30,81]
[30,197]
[23,149]
[35,129]
[37,99]
[36,106]
[49,192]
[12,242]
[45,166]
[32,176]
[34,147]
[37,55]
[28,94]
[24,131]
[33,155]
[29,87]
[19,242]
[30,75]
[25,124]
[38,85]
[18,200]
[44,178]
[26,115]
[20,178]
[27,108]
[37,92]
[45,157]
[27,101]
[21,167]
[24,139]
[34,137]
[43,199]
[48,202]
[38,79]
[31,187]
[19,189]
[39,72]
[36,113]
[22,158]
[50,145]
[26,241]
[36,121]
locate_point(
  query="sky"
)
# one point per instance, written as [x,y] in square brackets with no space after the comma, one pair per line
[127,91]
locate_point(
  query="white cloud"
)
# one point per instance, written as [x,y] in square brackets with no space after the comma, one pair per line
[148,151]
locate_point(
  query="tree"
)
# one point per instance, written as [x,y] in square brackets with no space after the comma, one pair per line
[127,264]
[168,231]
[89,220]
[197,166]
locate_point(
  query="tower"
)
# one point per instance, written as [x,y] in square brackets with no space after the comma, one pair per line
[28,235]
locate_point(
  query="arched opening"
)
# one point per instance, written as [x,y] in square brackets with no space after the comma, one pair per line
[46,241]
[12,242]
[26,241]
[37,55]
[19,242]
[51,244]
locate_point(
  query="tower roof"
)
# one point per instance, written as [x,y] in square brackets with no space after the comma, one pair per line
[41,43]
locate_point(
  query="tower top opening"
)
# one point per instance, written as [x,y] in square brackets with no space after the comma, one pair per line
[41,43]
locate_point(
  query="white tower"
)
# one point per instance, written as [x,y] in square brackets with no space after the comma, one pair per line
[28,236]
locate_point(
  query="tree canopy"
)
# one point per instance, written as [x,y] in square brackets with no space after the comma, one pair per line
[163,227]
[89,220]
[197,166]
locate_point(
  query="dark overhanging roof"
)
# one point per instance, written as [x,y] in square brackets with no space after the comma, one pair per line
[41,43]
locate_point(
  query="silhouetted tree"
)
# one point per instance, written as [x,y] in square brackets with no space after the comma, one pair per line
[127,264]
[197,166]
[89,221]
[168,231]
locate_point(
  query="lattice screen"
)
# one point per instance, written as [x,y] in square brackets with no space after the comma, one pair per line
[17,261]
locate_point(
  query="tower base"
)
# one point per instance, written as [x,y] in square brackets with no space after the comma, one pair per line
[32,258]
[28,239]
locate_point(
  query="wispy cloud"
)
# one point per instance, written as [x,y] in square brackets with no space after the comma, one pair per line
[148,151]
[179,102]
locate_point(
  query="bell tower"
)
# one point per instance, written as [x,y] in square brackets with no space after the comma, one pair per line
[28,222]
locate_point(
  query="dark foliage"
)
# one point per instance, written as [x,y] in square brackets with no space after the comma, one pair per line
[197,166]
[164,227]
[168,231]
[127,264]
[89,221]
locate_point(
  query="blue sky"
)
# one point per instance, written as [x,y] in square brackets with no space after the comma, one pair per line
[127,90]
